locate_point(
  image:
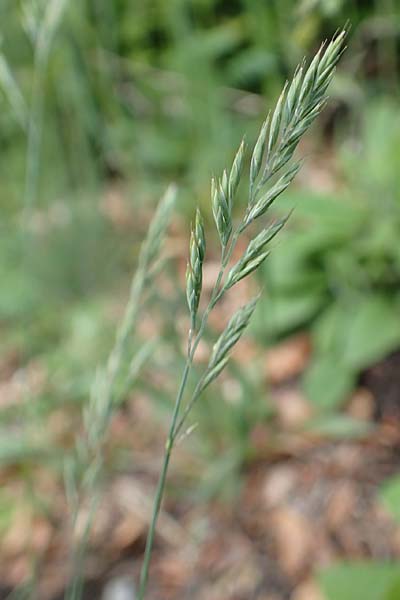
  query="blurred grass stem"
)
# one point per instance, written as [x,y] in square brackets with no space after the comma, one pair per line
[43,42]
[103,398]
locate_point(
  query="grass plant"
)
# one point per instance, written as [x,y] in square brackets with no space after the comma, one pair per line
[82,487]
[271,172]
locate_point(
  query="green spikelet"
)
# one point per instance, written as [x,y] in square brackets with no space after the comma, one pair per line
[194,271]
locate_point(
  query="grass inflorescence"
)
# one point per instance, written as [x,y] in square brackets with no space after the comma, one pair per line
[271,172]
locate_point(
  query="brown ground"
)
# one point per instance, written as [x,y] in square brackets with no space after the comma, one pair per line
[305,502]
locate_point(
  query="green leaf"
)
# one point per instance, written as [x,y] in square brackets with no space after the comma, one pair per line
[249,64]
[373,332]
[330,329]
[325,211]
[280,313]
[359,581]
[328,381]
[390,496]
[301,255]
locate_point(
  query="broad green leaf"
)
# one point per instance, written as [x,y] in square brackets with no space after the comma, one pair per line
[210,43]
[377,166]
[381,240]
[359,581]
[330,329]
[301,254]
[374,331]
[327,382]
[280,314]
[324,211]
[249,64]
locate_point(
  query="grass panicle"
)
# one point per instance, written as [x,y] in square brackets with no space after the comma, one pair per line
[297,107]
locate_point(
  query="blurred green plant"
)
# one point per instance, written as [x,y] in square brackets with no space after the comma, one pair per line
[84,470]
[128,82]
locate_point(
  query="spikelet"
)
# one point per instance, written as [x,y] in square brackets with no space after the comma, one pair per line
[221,209]
[194,271]
[227,340]
[236,172]
[254,255]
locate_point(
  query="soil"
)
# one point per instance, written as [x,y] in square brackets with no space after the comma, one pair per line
[305,501]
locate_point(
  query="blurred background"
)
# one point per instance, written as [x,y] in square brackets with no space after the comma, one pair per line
[289,489]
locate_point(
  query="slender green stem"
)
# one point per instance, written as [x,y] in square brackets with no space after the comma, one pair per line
[192,346]
[161,482]
[189,406]
[175,426]
[51,20]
